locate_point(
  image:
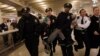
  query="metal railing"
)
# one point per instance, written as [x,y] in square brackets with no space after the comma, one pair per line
[7,41]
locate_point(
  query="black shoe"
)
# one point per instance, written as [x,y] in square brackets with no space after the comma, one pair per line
[71,42]
[75,47]
[67,43]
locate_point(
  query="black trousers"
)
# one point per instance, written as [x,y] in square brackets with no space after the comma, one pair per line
[82,36]
[96,43]
[54,44]
[67,51]
[32,42]
[52,47]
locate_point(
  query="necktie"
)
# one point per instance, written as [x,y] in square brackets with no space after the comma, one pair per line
[82,22]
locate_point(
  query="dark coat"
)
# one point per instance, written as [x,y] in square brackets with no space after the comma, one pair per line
[63,22]
[94,26]
[28,25]
[49,29]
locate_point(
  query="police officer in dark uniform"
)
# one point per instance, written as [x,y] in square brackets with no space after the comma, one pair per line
[28,29]
[49,27]
[94,29]
[63,22]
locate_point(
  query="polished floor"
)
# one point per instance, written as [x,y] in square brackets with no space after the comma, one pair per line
[22,51]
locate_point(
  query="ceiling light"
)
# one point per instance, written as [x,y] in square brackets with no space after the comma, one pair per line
[14,9]
[42,3]
[44,6]
[74,1]
[3,6]
[38,0]
[10,8]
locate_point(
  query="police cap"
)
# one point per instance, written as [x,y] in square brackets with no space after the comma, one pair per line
[48,9]
[67,5]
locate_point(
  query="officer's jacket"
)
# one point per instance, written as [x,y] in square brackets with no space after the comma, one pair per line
[49,29]
[64,21]
[94,26]
[28,24]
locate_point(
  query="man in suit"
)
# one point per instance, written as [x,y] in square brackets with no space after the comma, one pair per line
[94,29]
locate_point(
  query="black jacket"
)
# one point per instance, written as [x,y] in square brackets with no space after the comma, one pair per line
[28,25]
[94,26]
[64,21]
[49,29]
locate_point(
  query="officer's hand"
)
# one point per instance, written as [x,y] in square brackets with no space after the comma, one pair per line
[96,33]
[74,24]
[44,33]
[72,27]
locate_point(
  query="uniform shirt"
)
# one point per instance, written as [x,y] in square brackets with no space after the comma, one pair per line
[86,22]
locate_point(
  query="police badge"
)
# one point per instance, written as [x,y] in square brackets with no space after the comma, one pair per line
[35,20]
[53,21]
[68,17]
[97,21]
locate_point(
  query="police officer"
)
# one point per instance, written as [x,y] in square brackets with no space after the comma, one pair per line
[49,21]
[63,22]
[80,32]
[94,29]
[28,30]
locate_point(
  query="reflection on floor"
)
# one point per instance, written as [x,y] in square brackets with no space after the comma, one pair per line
[22,51]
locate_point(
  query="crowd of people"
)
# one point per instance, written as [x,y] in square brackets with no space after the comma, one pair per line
[53,29]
